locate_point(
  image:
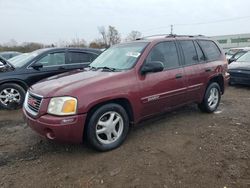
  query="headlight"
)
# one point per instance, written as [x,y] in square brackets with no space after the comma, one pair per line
[62,106]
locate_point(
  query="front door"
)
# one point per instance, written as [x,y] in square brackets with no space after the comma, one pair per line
[53,63]
[162,90]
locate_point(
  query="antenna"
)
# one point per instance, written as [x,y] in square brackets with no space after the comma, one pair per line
[172,28]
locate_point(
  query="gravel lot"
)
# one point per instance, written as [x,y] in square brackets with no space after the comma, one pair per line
[185,148]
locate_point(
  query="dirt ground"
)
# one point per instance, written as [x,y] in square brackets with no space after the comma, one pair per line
[185,148]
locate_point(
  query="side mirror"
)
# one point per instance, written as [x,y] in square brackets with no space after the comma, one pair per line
[153,66]
[1,65]
[37,66]
[231,60]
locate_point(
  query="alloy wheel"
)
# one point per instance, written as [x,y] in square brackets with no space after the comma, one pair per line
[109,127]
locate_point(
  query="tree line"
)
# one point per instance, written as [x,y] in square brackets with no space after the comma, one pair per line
[107,37]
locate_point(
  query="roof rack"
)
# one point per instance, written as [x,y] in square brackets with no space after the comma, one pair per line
[168,36]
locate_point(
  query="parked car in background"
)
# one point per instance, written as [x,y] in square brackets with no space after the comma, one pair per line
[30,68]
[9,54]
[126,84]
[231,52]
[238,54]
[239,70]
[5,65]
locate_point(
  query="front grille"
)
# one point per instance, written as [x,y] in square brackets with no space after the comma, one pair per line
[33,103]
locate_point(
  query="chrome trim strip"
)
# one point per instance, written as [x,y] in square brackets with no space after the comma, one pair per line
[63,65]
[162,95]
[196,85]
[169,93]
[35,94]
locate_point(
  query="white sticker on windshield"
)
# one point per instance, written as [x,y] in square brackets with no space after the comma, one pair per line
[133,54]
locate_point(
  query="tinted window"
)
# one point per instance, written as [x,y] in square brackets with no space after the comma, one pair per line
[200,54]
[189,52]
[166,53]
[79,57]
[53,59]
[211,50]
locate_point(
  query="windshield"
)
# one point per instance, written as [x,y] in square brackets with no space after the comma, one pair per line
[120,57]
[232,51]
[245,57]
[22,59]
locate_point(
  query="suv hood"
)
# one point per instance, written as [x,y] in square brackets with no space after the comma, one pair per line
[65,84]
[239,65]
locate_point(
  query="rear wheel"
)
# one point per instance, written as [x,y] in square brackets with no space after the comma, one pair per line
[211,99]
[11,96]
[108,127]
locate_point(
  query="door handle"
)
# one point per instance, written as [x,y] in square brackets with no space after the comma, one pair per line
[208,70]
[177,76]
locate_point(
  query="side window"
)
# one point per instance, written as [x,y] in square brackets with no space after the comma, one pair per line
[166,53]
[53,59]
[79,57]
[200,54]
[210,49]
[189,52]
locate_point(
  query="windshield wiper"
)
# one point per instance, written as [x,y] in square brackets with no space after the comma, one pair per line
[91,68]
[103,68]
[106,68]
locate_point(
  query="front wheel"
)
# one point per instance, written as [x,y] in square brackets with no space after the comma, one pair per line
[108,127]
[11,96]
[211,99]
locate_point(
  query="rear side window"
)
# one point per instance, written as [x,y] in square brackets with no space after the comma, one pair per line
[79,57]
[166,53]
[200,54]
[189,52]
[210,49]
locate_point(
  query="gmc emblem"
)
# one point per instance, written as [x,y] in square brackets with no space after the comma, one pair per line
[32,102]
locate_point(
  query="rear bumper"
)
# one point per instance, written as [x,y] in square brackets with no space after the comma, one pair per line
[63,129]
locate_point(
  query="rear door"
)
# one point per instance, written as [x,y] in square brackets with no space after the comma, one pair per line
[193,59]
[162,90]
[213,59]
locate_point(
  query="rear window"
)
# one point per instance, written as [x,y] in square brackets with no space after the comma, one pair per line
[210,49]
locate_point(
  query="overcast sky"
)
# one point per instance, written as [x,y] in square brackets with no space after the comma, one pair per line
[48,21]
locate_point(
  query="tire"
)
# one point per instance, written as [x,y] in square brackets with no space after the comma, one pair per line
[103,135]
[11,96]
[208,106]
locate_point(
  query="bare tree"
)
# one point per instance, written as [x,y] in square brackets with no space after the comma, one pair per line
[97,43]
[113,36]
[77,42]
[133,35]
[110,36]
[103,33]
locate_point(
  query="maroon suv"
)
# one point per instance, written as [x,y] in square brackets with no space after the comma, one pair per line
[126,84]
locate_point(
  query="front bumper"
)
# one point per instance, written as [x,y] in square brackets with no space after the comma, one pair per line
[239,80]
[240,77]
[63,129]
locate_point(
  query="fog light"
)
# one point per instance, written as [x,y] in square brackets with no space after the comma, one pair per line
[50,135]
